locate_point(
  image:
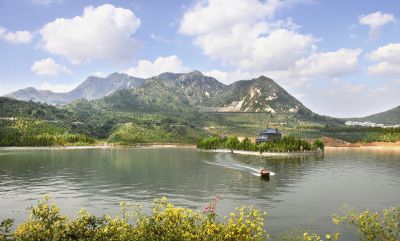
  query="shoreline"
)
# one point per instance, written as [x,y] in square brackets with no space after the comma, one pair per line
[375,146]
[265,154]
[138,146]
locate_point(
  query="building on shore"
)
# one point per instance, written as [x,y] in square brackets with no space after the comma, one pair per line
[268,135]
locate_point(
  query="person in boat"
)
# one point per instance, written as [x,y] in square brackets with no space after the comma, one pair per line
[264,170]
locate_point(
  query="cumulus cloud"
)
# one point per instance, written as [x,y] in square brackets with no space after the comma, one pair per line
[146,68]
[247,37]
[384,68]
[387,53]
[329,64]
[206,16]
[375,21]
[103,32]
[388,58]
[49,67]
[243,37]
[17,37]
[317,65]
[228,77]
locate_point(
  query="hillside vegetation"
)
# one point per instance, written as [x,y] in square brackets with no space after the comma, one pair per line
[171,108]
[390,117]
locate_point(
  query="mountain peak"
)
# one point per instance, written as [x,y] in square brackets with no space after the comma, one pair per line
[116,75]
[195,72]
[30,89]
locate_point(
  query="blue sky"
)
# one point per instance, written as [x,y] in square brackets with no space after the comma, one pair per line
[340,58]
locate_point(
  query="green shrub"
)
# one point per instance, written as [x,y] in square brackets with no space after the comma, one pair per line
[372,226]
[166,222]
[287,143]
[318,143]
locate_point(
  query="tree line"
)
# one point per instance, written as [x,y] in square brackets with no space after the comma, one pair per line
[285,144]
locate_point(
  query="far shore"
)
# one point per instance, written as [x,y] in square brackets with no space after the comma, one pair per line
[361,146]
[331,144]
[106,146]
[382,148]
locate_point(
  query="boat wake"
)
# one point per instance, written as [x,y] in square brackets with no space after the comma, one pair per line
[254,171]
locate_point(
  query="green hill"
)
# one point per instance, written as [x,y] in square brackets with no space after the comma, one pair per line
[170,108]
[390,117]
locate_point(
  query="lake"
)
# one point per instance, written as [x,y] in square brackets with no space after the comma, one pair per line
[304,191]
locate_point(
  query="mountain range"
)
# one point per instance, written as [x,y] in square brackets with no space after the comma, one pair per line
[184,92]
[190,89]
[92,88]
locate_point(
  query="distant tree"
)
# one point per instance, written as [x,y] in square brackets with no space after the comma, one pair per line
[318,143]
[232,143]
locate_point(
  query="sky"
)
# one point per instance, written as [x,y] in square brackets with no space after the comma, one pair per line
[340,58]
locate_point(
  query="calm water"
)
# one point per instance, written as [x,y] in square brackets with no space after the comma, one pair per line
[303,192]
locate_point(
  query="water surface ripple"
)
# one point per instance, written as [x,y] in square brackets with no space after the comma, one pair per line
[304,191]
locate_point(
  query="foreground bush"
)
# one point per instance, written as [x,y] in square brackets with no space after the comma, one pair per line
[372,226]
[170,223]
[166,222]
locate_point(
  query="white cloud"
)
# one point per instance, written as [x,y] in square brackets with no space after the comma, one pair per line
[145,68]
[384,68]
[375,21]
[230,77]
[58,88]
[206,16]
[104,32]
[17,37]
[388,58]
[317,65]
[242,36]
[49,67]
[246,36]
[388,53]
[329,64]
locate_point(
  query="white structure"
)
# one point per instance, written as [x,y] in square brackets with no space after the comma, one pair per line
[369,124]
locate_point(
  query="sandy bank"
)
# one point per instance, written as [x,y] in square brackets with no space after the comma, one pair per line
[366,147]
[336,143]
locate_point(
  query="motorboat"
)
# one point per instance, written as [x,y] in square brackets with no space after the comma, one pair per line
[264,172]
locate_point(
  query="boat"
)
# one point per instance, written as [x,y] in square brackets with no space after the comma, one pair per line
[264,173]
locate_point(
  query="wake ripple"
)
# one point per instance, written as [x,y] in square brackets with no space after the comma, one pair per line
[254,171]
